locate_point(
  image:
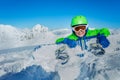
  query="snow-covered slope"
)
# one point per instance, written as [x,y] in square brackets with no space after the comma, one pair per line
[23,58]
[11,37]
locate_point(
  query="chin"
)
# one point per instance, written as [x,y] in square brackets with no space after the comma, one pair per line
[80,35]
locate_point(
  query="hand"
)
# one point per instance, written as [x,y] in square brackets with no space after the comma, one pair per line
[103,41]
[70,43]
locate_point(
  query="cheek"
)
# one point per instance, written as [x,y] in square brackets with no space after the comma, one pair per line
[80,32]
[83,32]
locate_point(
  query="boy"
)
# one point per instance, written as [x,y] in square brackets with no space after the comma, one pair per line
[81,34]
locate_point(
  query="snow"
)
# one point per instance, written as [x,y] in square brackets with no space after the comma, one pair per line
[29,54]
[24,37]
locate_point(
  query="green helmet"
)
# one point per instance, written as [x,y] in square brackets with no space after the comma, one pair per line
[79,20]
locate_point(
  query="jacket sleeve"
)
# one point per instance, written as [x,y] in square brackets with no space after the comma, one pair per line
[59,40]
[105,32]
[70,43]
[94,32]
[70,37]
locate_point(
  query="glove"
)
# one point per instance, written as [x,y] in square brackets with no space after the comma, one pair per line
[103,41]
[70,43]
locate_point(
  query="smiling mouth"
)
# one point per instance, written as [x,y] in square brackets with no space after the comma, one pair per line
[80,32]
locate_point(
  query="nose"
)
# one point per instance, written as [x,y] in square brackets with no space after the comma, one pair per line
[80,30]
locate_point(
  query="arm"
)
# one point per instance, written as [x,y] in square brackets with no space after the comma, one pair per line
[105,32]
[68,40]
[59,40]
[102,37]
[95,32]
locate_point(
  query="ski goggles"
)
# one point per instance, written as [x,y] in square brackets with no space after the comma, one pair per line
[77,28]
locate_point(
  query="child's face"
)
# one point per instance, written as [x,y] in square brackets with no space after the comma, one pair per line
[80,30]
[80,33]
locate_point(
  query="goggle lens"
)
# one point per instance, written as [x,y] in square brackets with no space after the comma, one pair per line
[79,27]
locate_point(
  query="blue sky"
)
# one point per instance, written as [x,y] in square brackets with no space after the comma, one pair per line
[58,13]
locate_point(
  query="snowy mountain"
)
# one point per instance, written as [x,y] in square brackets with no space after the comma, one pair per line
[8,32]
[23,37]
[62,32]
[29,54]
